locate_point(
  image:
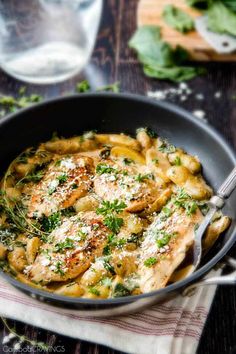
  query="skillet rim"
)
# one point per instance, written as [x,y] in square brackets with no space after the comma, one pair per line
[183,114]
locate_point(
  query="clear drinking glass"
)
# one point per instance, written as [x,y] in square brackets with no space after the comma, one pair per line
[47,41]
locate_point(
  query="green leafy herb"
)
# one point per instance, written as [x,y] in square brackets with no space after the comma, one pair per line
[62,178]
[149,131]
[83,86]
[221,19]
[150,261]
[178,19]
[34,177]
[58,268]
[113,223]
[182,199]
[108,266]
[166,147]
[166,211]
[51,222]
[115,87]
[111,207]
[120,290]
[105,153]
[94,291]
[163,238]
[177,161]
[160,60]
[141,178]
[102,168]
[175,73]
[61,246]
[70,211]
[127,161]
[156,161]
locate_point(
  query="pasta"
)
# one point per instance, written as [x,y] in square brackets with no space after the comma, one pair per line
[103,215]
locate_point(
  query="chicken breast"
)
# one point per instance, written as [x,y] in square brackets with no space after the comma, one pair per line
[70,249]
[165,245]
[135,184]
[64,181]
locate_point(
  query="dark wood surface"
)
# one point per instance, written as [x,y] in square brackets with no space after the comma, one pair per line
[113,61]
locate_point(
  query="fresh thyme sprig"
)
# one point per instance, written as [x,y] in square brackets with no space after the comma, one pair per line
[24,339]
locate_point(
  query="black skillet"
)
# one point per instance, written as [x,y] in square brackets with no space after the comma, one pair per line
[123,113]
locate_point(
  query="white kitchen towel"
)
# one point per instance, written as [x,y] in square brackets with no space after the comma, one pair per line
[173,327]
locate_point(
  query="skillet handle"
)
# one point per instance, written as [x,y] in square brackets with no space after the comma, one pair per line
[229,279]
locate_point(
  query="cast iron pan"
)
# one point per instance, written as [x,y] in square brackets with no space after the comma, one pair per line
[122,113]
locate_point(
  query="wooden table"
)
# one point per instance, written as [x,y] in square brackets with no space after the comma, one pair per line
[115,61]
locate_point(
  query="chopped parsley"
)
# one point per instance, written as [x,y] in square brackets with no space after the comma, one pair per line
[120,290]
[105,153]
[166,147]
[94,291]
[67,244]
[103,168]
[150,261]
[183,200]
[141,178]
[113,223]
[58,268]
[62,178]
[163,238]
[49,223]
[108,266]
[127,161]
[83,86]
[70,211]
[177,161]
[156,161]
[165,213]
[111,207]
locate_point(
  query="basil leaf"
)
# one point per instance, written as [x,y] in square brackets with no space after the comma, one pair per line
[178,19]
[221,19]
[160,60]
[176,73]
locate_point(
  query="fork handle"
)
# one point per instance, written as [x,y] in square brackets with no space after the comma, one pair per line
[228,186]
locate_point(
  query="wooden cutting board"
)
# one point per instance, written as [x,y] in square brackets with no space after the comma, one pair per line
[150,13]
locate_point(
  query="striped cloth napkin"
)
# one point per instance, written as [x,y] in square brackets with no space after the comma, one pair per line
[173,327]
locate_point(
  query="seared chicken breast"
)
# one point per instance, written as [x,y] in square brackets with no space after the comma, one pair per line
[133,184]
[70,249]
[166,242]
[65,180]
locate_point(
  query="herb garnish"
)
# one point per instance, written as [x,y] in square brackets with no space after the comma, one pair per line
[120,290]
[177,161]
[150,261]
[111,207]
[163,238]
[67,244]
[94,291]
[182,199]
[142,178]
[102,168]
[127,161]
[62,178]
[108,266]
[178,19]
[51,222]
[159,59]
[166,147]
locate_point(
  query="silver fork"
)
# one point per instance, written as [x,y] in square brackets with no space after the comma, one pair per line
[216,203]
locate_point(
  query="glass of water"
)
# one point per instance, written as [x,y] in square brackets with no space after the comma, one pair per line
[47,41]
